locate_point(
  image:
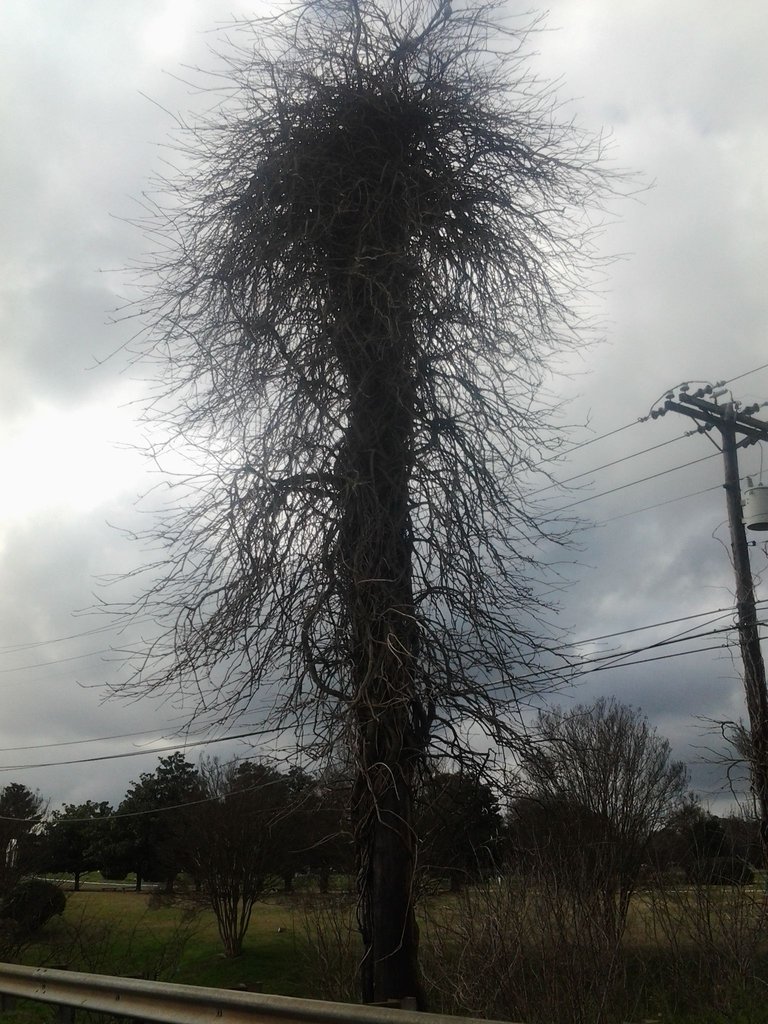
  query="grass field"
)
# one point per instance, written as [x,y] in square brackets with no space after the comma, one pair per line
[144,935]
[688,957]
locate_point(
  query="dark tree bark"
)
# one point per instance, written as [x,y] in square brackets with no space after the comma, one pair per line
[377,353]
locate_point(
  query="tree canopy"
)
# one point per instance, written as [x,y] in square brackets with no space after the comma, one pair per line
[150,833]
[367,260]
[75,838]
[21,810]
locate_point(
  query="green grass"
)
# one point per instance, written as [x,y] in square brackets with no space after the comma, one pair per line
[140,935]
[136,934]
[146,935]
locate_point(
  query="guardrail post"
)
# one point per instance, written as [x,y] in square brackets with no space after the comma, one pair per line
[65,1014]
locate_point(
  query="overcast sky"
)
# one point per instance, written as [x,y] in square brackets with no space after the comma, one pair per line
[85,88]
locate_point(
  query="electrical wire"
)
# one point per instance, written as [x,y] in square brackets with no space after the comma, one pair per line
[138,753]
[718,612]
[30,645]
[101,818]
[663,657]
[634,483]
[13,648]
[607,465]
[57,661]
[591,440]
[616,658]
[76,743]
[741,376]
[659,504]
[712,612]
[593,665]
[588,671]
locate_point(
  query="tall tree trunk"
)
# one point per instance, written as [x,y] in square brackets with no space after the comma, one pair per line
[369,270]
[376,552]
[385,859]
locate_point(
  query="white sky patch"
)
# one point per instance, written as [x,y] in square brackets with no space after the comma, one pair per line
[166,34]
[66,459]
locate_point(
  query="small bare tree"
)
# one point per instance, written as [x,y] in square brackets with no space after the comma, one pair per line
[598,782]
[366,261]
[233,846]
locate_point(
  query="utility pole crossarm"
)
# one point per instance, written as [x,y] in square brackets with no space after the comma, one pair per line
[670,406]
[714,415]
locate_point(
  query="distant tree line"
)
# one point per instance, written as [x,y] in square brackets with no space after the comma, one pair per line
[597,806]
[235,831]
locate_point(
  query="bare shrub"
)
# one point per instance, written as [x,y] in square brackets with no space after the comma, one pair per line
[331,947]
[137,950]
[712,941]
[522,948]
[12,942]
[597,782]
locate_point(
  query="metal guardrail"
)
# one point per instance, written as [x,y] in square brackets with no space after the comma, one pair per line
[190,1004]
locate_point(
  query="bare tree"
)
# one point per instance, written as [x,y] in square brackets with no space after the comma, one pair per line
[598,782]
[233,846]
[366,261]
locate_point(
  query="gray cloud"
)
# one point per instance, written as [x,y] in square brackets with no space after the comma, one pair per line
[682,86]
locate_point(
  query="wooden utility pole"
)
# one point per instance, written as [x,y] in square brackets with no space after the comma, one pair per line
[738,430]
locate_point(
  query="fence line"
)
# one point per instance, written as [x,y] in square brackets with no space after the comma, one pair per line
[190,1004]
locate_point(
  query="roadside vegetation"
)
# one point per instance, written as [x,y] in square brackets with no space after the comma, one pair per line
[590,888]
[508,948]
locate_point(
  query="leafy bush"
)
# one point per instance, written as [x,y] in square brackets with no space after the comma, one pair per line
[31,903]
[721,871]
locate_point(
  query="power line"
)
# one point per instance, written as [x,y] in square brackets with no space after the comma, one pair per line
[76,743]
[592,440]
[718,612]
[741,376]
[660,504]
[597,662]
[607,465]
[32,644]
[626,458]
[99,818]
[640,419]
[634,483]
[712,612]
[13,648]
[137,753]
[664,657]
[616,658]
[58,661]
